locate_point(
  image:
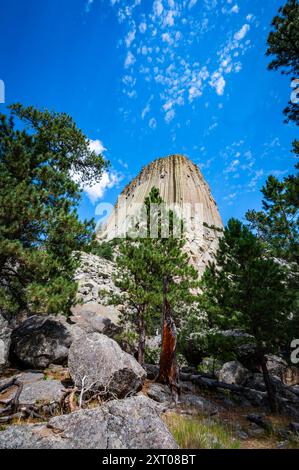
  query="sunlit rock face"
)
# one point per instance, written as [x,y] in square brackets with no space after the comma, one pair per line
[182,188]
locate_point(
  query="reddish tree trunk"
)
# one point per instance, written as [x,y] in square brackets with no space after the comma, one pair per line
[168,372]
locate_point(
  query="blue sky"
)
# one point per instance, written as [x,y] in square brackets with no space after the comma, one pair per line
[147,78]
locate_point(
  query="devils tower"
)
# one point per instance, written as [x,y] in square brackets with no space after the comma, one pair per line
[180,183]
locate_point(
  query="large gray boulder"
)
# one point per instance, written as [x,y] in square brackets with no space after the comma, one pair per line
[233,372]
[132,423]
[5,338]
[97,362]
[40,341]
[35,390]
[93,317]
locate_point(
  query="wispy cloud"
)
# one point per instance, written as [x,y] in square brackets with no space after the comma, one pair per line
[130,59]
[161,53]
[88,5]
[242,33]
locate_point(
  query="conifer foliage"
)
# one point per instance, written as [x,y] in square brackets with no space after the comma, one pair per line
[156,280]
[248,290]
[42,155]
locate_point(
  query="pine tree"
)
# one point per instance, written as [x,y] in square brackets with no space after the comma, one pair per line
[40,152]
[278,222]
[156,280]
[283,43]
[248,290]
[139,296]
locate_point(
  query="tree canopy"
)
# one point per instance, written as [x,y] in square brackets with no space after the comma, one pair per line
[283,45]
[277,224]
[144,262]
[248,290]
[44,158]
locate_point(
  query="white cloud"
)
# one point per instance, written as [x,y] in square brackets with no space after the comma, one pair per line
[167,38]
[152,123]
[194,92]
[253,182]
[169,20]
[211,127]
[169,115]
[230,198]
[122,163]
[242,33]
[145,111]
[108,181]
[142,27]
[130,37]
[88,5]
[218,82]
[232,168]
[160,50]
[192,3]
[130,59]
[235,9]
[97,146]
[158,7]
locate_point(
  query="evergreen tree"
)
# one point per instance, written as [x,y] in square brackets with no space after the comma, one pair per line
[40,152]
[247,290]
[156,279]
[283,43]
[103,249]
[139,295]
[278,222]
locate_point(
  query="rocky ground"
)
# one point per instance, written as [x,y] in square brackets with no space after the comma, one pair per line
[68,384]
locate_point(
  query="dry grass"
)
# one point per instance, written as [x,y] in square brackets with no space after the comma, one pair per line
[195,433]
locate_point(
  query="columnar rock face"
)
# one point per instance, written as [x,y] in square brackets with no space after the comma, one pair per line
[183,188]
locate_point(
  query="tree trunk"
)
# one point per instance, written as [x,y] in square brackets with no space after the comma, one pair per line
[168,372]
[269,385]
[141,341]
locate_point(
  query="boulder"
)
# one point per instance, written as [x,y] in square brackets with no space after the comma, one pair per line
[159,392]
[97,362]
[198,404]
[152,371]
[36,390]
[93,317]
[291,376]
[279,368]
[255,381]
[260,421]
[132,423]
[294,427]
[5,338]
[40,341]
[233,373]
